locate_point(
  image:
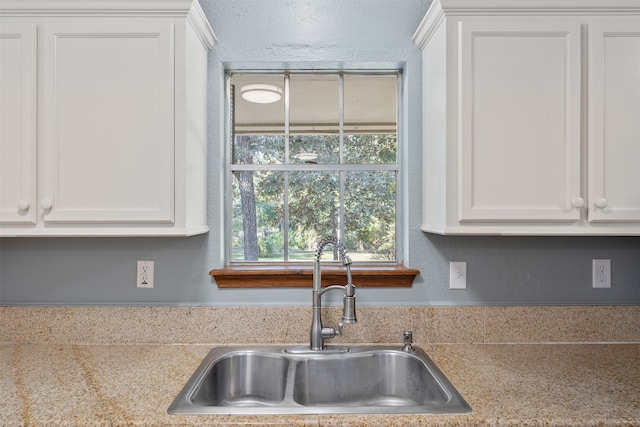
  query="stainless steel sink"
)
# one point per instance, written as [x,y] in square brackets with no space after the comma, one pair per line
[243,379]
[286,380]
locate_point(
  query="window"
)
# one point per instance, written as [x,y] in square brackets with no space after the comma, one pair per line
[319,160]
[312,154]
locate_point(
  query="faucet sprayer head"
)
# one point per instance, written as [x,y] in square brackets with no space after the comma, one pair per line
[349,309]
[317,278]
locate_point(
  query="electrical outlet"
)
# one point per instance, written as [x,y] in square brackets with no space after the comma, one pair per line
[145,274]
[457,275]
[601,273]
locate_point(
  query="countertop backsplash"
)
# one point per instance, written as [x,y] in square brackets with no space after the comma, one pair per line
[267,325]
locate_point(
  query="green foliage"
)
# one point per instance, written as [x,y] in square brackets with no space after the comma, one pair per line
[266,248]
[313,199]
[302,239]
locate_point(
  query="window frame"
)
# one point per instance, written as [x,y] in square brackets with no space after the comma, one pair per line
[260,274]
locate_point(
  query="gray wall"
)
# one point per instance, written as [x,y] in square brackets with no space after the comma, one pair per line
[303,34]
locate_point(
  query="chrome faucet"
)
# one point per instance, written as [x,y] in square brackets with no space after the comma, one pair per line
[318,332]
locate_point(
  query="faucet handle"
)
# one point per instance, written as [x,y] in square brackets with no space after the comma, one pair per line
[328,332]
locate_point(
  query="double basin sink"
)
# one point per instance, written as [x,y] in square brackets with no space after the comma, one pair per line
[338,380]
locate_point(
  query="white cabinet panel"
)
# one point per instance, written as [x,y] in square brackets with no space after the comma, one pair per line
[18,124]
[519,120]
[531,117]
[103,119]
[614,121]
[109,127]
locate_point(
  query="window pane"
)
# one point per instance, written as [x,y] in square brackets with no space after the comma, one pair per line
[257,233]
[314,208]
[370,200]
[370,113]
[258,149]
[320,149]
[301,242]
[313,109]
[370,102]
[258,125]
[370,148]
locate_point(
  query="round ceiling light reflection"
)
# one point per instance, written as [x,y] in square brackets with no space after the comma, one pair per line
[261,94]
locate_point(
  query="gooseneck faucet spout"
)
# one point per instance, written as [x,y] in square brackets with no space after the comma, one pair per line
[318,332]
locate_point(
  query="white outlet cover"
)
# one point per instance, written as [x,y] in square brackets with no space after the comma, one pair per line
[601,273]
[144,277]
[457,275]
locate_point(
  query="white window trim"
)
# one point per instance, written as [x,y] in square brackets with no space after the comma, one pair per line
[400,234]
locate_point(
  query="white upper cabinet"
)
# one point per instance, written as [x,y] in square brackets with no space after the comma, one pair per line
[531,117]
[108,137]
[509,71]
[17,124]
[121,118]
[614,122]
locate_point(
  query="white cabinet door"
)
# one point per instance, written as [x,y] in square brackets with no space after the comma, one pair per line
[108,123]
[519,121]
[18,124]
[614,121]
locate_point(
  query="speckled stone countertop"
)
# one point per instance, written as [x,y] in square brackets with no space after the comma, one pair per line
[506,384]
[112,366]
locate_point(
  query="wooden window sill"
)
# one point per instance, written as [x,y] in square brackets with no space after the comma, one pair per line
[301,276]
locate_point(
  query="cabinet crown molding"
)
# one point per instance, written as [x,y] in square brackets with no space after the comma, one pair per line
[441,8]
[551,6]
[39,7]
[189,9]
